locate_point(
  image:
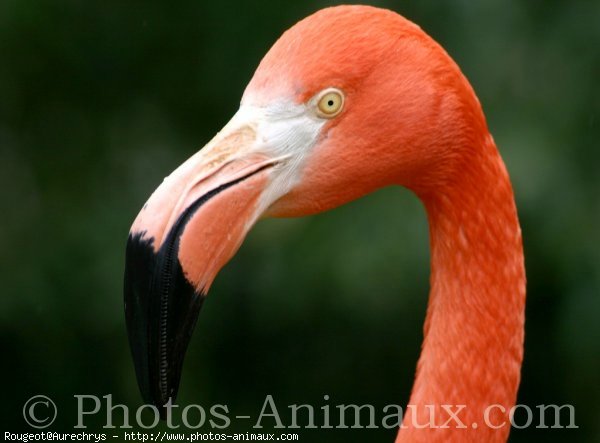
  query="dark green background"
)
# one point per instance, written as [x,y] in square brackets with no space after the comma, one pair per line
[100,100]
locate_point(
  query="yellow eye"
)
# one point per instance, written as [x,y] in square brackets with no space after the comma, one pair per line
[330,103]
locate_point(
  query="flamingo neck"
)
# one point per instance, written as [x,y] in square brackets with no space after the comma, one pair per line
[473,334]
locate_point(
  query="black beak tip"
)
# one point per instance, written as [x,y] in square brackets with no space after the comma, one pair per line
[161,309]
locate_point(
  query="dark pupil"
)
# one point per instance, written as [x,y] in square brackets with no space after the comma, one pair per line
[330,103]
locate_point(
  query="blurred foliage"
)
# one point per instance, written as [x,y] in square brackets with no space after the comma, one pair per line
[100,100]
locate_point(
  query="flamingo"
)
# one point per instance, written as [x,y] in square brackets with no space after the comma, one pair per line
[349,100]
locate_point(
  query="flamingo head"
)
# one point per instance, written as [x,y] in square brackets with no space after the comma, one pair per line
[347,101]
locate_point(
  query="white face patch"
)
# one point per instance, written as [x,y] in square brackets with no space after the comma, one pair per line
[285,132]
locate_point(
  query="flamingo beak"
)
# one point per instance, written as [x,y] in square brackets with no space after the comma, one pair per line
[189,228]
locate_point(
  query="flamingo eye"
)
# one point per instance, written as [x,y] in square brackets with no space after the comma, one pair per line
[330,102]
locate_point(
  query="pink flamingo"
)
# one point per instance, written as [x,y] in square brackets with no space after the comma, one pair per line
[349,100]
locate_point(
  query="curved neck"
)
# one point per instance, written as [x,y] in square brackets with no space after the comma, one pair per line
[473,345]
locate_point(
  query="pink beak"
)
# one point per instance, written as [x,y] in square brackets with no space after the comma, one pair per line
[189,228]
